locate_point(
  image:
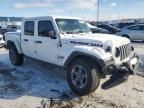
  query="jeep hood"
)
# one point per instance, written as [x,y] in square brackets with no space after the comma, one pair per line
[99,38]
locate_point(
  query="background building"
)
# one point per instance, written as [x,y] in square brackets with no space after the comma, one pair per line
[4,21]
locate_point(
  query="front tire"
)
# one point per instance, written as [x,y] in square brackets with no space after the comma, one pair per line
[16,58]
[83,78]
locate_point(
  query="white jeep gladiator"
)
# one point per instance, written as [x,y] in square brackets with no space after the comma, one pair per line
[67,42]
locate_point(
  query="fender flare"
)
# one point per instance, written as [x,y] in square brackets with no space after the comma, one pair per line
[99,61]
[126,36]
[17,45]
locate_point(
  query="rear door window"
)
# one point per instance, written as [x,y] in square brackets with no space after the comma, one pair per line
[29,28]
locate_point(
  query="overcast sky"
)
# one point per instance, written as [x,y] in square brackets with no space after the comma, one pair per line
[109,9]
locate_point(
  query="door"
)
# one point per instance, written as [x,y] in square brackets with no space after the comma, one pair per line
[28,39]
[46,47]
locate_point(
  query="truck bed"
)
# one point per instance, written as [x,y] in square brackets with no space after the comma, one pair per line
[12,36]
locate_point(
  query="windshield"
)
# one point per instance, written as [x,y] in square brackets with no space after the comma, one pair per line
[71,26]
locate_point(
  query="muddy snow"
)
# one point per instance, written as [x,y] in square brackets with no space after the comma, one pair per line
[35,84]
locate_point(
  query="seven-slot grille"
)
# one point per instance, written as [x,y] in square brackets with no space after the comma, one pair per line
[125,51]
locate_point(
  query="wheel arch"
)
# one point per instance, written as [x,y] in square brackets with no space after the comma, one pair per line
[11,43]
[126,35]
[88,57]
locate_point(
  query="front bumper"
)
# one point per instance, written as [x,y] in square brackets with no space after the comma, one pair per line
[133,64]
[121,73]
[130,66]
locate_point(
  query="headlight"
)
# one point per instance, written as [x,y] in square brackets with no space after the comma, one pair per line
[117,52]
[108,46]
[108,49]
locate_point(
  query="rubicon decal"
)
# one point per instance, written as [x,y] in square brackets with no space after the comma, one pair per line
[88,44]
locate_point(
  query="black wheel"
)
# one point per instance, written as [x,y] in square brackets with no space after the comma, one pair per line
[83,78]
[16,59]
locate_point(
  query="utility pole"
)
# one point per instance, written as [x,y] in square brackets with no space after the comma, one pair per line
[98,10]
[71,13]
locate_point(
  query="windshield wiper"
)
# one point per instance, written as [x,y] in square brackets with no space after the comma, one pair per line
[70,32]
[66,32]
[80,31]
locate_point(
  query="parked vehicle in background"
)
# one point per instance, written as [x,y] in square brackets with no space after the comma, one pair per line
[111,29]
[95,29]
[125,24]
[68,42]
[0,30]
[133,32]
[4,30]
[10,28]
[13,28]
[1,40]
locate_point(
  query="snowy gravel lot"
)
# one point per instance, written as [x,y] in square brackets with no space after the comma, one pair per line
[28,85]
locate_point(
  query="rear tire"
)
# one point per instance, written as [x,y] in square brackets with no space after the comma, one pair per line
[83,78]
[16,58]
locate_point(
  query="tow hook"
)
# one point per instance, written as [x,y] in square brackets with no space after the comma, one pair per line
[116,79]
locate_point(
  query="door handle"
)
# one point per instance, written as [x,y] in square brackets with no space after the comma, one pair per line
[26,40]
[38,42]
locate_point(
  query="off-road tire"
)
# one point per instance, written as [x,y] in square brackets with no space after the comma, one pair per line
[16,58]
[93,77]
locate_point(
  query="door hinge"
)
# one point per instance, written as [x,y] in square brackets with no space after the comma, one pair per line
[59,44]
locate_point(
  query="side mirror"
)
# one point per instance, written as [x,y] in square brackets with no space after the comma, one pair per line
[52,34]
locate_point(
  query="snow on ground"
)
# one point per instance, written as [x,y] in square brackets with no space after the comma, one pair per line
[32,80]
[26,86]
